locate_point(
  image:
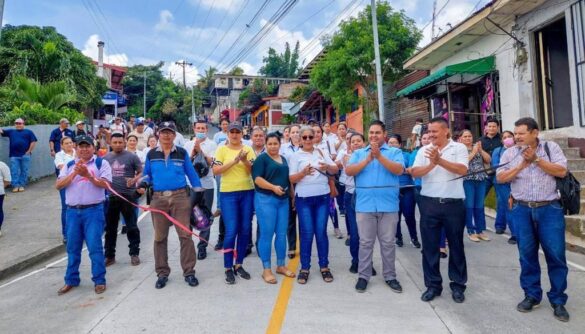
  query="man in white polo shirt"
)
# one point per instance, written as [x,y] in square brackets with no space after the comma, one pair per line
[441,206]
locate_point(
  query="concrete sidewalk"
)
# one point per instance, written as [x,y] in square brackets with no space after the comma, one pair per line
[31,232]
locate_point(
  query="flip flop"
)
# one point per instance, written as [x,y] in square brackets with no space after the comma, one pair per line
[269,280]
[286,273]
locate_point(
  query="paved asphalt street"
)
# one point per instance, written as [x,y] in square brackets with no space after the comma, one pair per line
[131,304]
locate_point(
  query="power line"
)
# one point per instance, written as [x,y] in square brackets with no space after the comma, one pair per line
[437,14]
[103,26]
[305,21]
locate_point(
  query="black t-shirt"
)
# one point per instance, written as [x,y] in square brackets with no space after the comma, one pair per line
[490,144]
[273,172]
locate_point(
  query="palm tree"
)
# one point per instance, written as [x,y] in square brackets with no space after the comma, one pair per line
[206,80]
[52,95]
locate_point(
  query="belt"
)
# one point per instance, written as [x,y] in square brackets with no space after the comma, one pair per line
[440,200]
[83,206]
[167,193]
[535,204]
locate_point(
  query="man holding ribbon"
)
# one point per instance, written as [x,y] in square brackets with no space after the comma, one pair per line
[166,169]
[84,180]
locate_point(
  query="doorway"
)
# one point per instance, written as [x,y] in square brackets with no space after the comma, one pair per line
[553,80]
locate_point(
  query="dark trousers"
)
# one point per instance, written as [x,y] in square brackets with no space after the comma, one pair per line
[434,217]
[407,209]
[291,233]
[1,210]
[117,206]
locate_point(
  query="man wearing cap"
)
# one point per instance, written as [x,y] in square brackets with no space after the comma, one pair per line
[84,180]
[166,168]
[57,134]
[79,129]
[22,143]
[141,136]
[118,127]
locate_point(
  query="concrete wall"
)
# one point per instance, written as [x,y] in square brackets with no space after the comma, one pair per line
[41,161]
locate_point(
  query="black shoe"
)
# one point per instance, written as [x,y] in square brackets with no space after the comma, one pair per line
[415,243]
[399,242]
[512,241]
[347,242]
[241,272]
[354,268]
[291,255]
[229,277]
[527,305]
[429,295]
[124,229]
[218,245]
[161,282]
[202,254]
[374,272]
[248,251]
[443,255]
[458,296]
[191,280]
[394,285]
[500,231]
[560,312]
[361,285]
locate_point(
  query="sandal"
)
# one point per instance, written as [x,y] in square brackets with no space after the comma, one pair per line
[285,272]
[270,279]
[303,277]
[327,276]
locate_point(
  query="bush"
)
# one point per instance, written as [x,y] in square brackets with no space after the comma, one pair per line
[35,113]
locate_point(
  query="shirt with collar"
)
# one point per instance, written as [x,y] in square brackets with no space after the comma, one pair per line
[439,182]
[288,149]
[81,191]
[208,147]
[56,136]
[377,188]
[169,173]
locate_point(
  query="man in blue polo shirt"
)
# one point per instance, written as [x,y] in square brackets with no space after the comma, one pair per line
[22,143]
[376,169]
[165,169]
[58,133]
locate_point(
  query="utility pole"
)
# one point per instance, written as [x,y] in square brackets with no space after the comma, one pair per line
[192,104]
[1,15]
[433,20]
[183,64]
[379,81]
[144,96]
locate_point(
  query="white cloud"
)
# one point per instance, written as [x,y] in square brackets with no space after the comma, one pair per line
[165,20]
[453,14]
[90,49]
[248,68]
[229,5]
[176,73]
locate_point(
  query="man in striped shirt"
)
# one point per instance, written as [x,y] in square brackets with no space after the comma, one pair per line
[537,212]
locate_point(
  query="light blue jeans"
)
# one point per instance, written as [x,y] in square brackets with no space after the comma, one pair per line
[272,215]
[19,167]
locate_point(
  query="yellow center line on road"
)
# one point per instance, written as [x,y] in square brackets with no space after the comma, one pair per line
[279,310]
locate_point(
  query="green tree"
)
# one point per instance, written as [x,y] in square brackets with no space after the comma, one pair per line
[52,95]
[237,71]
[45,55]
[206,80]
[284,65]
[253,94]
[350,57]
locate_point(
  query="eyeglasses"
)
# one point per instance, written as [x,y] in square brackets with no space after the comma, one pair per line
[18,123]
[308,137]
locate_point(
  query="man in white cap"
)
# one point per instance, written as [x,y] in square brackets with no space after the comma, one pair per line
[57,134]
[22,143]
[79,128]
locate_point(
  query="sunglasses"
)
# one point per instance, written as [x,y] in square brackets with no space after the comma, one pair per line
[308,137]
[18,123]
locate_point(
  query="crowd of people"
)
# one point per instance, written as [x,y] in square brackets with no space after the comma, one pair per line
[300,179]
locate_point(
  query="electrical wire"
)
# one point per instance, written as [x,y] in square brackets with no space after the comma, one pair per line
[105,28]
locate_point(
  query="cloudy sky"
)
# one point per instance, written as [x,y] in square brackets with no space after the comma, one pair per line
[207,32]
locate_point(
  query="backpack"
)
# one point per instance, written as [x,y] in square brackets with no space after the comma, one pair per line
[569,189]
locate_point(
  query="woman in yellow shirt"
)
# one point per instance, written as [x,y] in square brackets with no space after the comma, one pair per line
[234,163]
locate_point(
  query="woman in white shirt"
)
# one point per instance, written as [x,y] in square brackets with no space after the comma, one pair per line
[309,168]
[5,179]
[62,158]
[131,146]
[151,143]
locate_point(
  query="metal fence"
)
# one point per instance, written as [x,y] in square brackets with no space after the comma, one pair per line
[41,164]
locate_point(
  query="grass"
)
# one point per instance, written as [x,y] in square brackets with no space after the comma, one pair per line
[490,199]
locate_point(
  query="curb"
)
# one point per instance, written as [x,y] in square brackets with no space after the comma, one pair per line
[31,261]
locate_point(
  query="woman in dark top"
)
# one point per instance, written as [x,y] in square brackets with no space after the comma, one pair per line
[270,175]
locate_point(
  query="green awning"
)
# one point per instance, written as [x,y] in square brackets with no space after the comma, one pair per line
[479,66]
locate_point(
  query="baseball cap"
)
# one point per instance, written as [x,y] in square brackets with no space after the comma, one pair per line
[19,120]
[84,139]
[139,123]
[235,126]
[167,126]
[64,120]
[79,122]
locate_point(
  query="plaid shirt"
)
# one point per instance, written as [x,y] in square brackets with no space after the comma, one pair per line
[532,183]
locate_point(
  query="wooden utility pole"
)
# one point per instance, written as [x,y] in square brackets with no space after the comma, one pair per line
[184,64]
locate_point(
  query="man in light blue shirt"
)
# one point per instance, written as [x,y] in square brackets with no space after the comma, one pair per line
[376,169]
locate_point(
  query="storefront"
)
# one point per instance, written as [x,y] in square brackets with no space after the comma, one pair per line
[465,94]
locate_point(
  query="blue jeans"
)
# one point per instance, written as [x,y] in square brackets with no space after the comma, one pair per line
[474,205]
[313,212]
[85,224]
[272,216]
[503,215]
[63,213]
[237,218]
[544,226]
[19,167]
[407,209]
[350,218]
